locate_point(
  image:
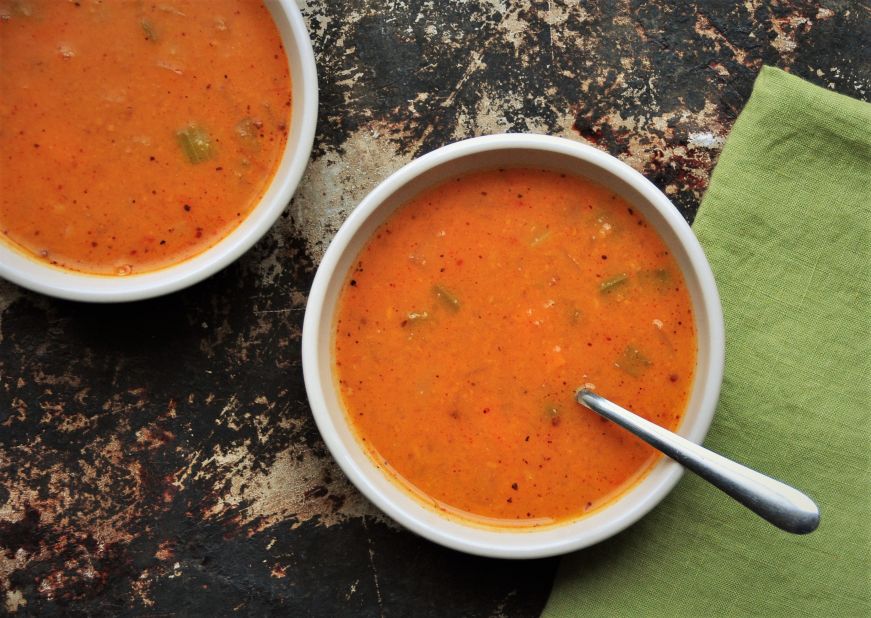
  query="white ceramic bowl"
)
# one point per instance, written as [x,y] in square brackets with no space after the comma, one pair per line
[535,151]
[40,277]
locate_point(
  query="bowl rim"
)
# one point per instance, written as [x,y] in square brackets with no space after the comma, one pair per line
[19,268]
[448,531]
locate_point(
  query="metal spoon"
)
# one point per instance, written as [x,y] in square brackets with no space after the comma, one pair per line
[782,505]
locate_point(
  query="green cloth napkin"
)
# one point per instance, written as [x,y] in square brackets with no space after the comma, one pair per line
[785,225]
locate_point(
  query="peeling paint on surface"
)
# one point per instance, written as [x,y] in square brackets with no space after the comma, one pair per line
[160,457]
[296,487]
[706,139]
[336,182]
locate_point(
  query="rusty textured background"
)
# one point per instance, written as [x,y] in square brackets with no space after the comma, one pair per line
[159,458]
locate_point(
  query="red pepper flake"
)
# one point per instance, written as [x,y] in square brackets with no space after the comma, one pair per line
[514,486]
[486,410]
[187,207]
[199,232]
[673,377]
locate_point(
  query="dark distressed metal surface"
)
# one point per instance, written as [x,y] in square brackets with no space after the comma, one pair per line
[159,458]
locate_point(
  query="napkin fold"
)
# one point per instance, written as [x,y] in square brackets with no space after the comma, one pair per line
[786,226]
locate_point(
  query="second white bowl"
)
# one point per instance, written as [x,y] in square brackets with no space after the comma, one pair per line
[30,273]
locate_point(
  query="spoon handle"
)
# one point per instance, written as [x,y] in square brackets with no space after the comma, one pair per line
[782,505]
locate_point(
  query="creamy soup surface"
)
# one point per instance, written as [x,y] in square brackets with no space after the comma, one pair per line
[135,134]
[474,313]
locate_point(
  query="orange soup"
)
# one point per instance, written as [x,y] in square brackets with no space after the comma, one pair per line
[135,134]
[474,313]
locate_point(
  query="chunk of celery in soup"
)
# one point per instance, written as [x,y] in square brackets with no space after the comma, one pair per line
[633,361]
[195,143]
[659,279]
[148,29]
[615,282]
[447,298]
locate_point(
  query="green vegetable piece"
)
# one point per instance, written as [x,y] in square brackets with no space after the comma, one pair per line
[659,278]
[195,143]
[448,299]
[148,28]
[614,283]
[633,361]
